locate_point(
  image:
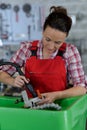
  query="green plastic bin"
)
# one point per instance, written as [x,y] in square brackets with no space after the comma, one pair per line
[72,116]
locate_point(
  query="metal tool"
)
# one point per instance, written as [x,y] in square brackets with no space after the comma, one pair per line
[33,103]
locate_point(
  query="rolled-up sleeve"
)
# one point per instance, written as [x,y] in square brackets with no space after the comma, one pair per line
[74,66]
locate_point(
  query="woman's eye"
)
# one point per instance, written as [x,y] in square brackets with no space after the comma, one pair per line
[58,43]
[47,39]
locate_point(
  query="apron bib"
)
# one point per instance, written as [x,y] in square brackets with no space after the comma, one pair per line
[46,75]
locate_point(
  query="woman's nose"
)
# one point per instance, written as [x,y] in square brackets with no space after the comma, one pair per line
[52,45]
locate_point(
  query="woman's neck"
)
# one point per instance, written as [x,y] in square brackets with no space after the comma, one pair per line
[45,54]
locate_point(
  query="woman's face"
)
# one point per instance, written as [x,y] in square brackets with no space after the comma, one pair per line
[52,39]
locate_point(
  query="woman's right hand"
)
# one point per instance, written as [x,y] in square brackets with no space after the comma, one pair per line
[20,81]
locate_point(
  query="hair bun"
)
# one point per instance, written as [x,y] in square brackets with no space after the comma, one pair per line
[58,9]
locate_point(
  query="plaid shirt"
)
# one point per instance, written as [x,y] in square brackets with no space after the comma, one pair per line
[71,56]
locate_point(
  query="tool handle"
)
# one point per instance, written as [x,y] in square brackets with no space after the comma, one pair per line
[30,88]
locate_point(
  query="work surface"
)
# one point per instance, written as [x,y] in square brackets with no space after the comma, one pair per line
[72,116]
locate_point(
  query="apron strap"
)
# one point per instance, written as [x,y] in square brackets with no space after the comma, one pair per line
[62,50]
[33,48]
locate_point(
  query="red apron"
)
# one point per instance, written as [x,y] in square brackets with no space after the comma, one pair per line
[46,75]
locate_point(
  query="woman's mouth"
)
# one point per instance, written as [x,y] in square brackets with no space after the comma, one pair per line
[50,50]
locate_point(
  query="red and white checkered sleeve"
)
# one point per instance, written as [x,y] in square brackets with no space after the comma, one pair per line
[75,68]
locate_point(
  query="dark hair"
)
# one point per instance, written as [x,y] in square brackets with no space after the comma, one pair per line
[58,19]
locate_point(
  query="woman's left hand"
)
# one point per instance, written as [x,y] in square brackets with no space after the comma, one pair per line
[48,97]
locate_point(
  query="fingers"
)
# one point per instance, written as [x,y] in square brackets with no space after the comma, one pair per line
[20,81]
[24,79]
[47,98]
[44,100]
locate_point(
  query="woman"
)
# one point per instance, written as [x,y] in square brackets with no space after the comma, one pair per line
[50,63]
